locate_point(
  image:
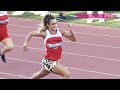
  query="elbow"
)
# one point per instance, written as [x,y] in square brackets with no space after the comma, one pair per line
[74,40]
[31,33]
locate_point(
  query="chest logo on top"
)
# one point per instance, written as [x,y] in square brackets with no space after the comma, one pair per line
[56,45]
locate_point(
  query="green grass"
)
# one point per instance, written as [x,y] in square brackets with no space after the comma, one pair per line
[69,19]
[28,15]
[107,23]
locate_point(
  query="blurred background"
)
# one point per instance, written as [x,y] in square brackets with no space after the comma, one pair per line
[112,18]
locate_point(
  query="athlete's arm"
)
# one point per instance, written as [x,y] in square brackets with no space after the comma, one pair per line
[28,37]
[69,35]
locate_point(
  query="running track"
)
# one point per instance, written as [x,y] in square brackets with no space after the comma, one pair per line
[95,55]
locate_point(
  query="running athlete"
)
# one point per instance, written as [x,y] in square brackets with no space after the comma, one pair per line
[4,37]
[53,40]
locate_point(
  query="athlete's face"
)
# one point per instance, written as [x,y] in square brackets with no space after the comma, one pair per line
[53,24]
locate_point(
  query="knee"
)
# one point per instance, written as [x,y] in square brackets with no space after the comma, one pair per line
[10,47]
[66,75]
[37,76]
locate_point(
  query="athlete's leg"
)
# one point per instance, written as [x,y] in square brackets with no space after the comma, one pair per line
[8,45]
[61,70]
[42,73]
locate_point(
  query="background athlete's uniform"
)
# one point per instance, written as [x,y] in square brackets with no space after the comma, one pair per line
[3,25]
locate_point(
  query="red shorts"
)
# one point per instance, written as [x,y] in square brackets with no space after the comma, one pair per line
[3,32]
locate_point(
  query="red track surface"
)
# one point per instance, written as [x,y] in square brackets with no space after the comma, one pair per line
[95,55]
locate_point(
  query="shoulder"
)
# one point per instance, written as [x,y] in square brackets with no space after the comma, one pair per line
[43,34]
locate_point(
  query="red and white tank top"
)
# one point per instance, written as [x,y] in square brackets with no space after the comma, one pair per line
[53,45]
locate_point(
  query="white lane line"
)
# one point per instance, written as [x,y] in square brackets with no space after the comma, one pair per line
[74,32]
[14,75]
[90,44]
[83,55]
[79,69]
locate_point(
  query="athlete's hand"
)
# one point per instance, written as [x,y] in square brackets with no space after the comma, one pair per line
[25,48]
[69,26]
